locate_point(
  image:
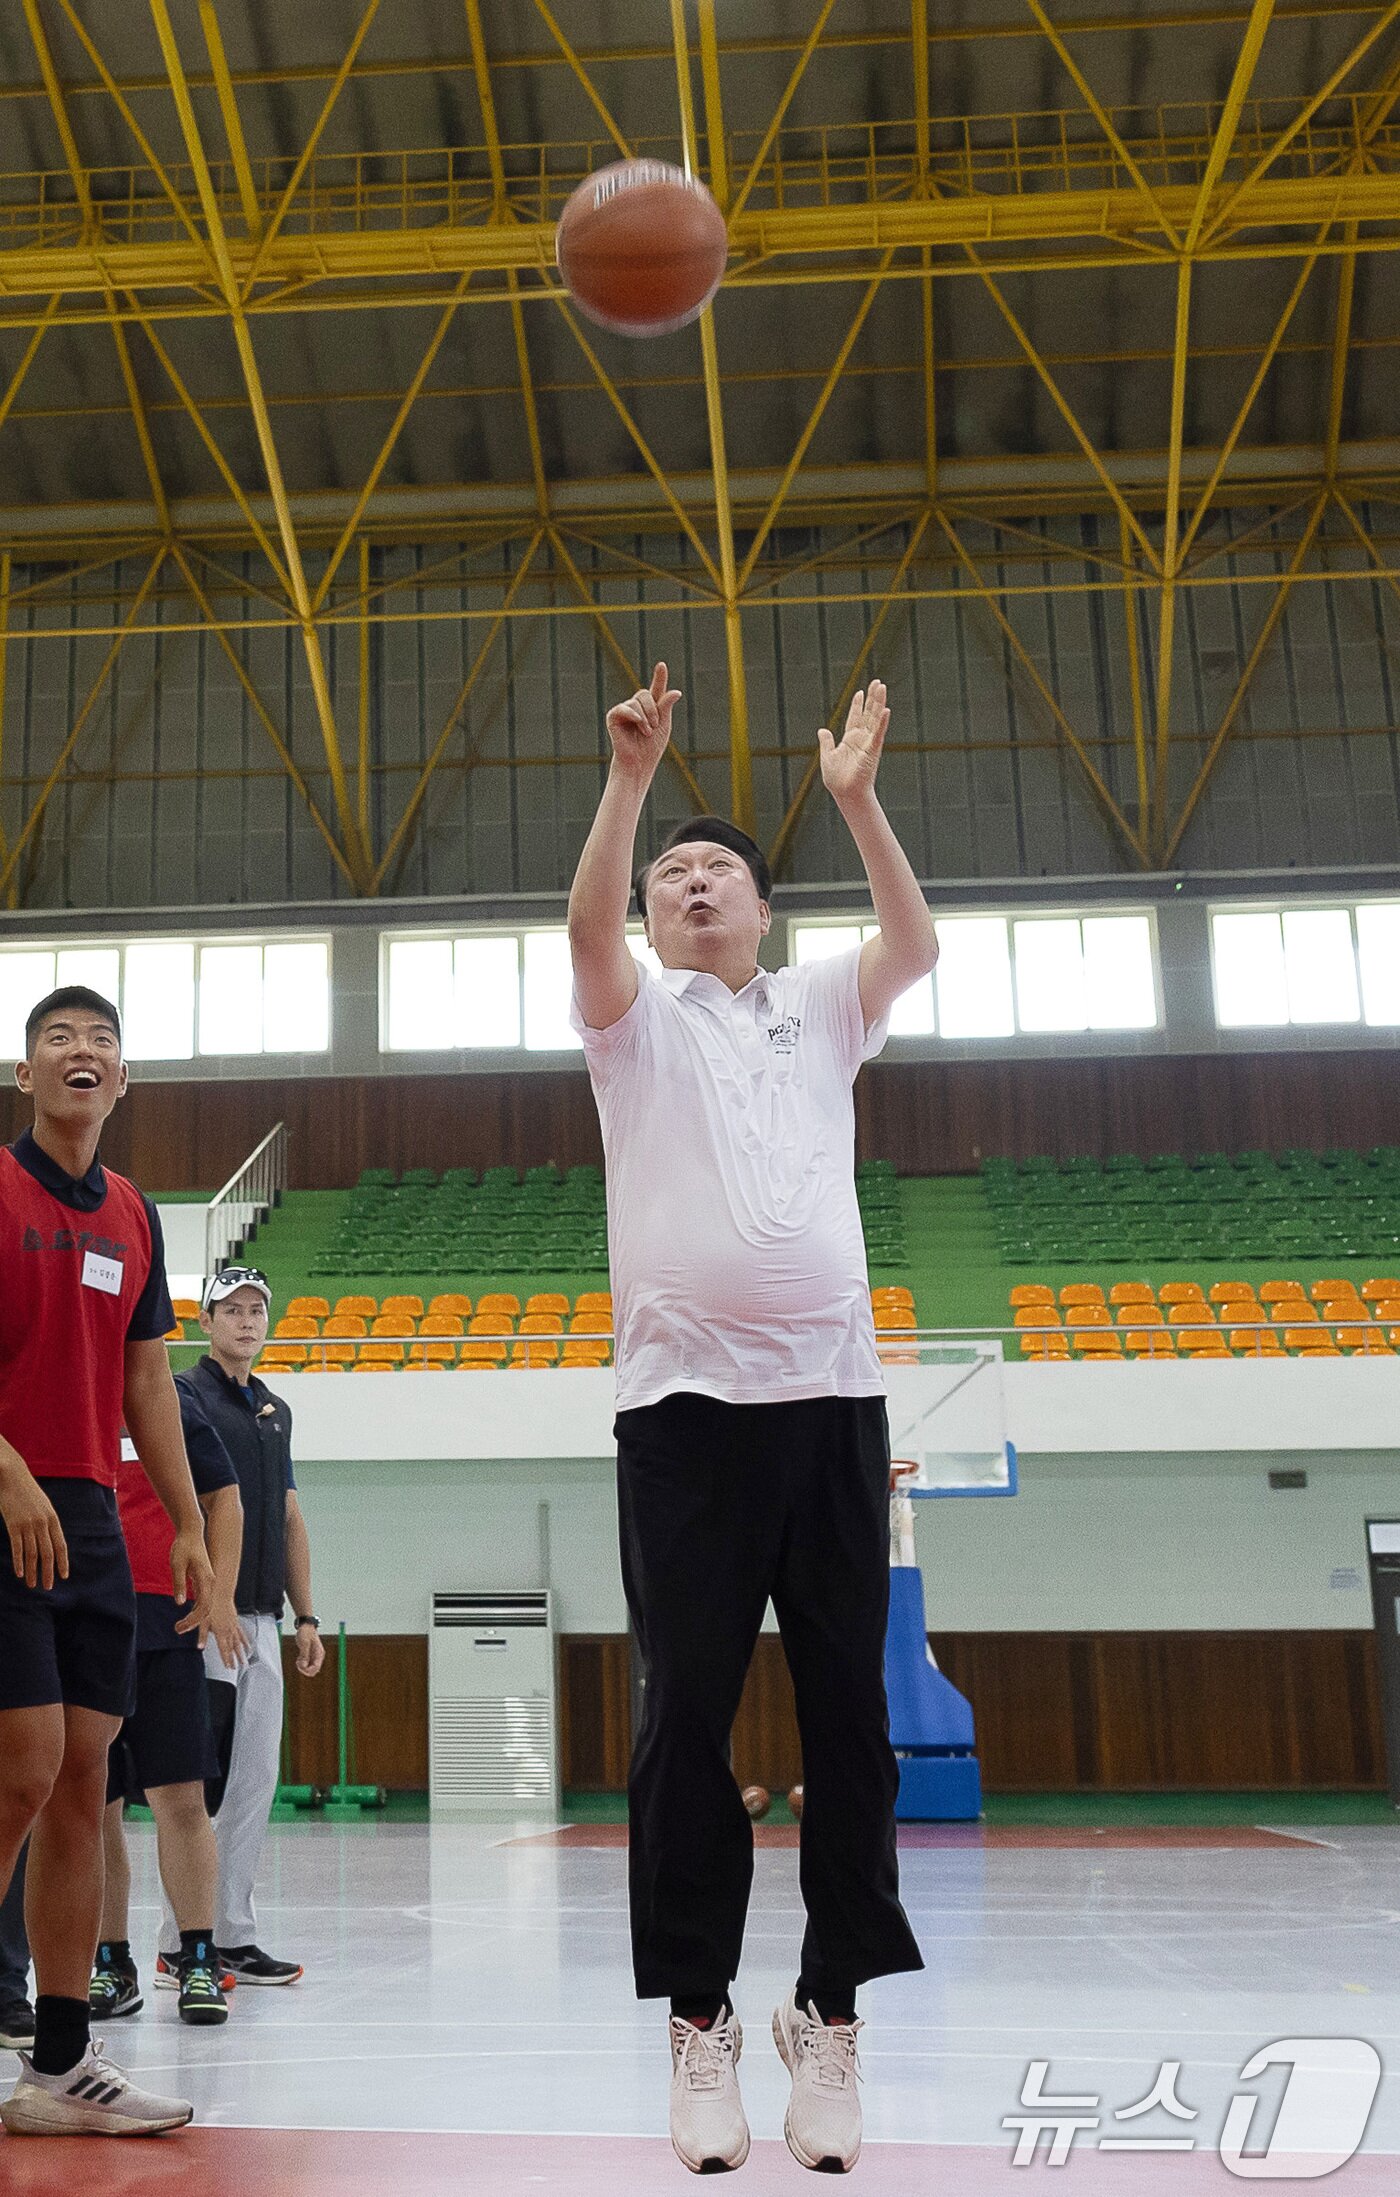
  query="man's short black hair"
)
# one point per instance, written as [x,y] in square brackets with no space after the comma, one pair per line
[69,995]
[724,834]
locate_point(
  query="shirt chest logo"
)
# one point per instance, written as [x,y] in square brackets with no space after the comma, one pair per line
[783,1036]
[72,1239]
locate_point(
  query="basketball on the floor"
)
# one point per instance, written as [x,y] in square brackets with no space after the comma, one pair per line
[758,1800]
[795,1802]
[641,246]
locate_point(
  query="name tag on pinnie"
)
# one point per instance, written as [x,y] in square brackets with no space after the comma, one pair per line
[103,1274]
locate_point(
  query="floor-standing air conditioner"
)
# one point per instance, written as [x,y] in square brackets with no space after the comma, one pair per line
[492,1730]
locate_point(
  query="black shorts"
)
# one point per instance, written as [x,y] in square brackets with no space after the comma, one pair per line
[74,1642]
[168,1739]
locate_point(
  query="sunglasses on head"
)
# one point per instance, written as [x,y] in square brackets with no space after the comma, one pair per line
[233,1277]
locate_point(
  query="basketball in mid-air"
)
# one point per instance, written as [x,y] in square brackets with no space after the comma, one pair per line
[641,247]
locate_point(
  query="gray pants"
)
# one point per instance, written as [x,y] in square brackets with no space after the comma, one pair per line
[241,1823]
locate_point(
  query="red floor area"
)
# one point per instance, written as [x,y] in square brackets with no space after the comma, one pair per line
[1226,1839]
[235,2162]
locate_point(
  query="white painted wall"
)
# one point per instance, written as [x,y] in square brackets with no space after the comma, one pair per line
[1092,1543]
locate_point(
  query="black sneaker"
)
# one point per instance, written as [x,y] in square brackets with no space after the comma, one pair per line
[201,2001]
[249,1964]
[115,1988]
[17,2025]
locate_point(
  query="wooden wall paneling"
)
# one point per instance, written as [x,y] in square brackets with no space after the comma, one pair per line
[929,1117]
[1084,1712]
[388,1675]
[767,1749]
[595,1714]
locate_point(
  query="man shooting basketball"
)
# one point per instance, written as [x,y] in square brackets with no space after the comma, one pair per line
[753,1448]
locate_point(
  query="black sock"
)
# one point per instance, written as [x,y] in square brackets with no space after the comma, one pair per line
[838,2005]
[704,2009]
[115,1953]
[62,2031]
[197,1945]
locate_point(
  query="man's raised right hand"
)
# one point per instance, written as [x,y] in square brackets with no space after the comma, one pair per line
[640,728]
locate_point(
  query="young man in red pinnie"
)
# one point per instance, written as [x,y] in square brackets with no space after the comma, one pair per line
[84,1309]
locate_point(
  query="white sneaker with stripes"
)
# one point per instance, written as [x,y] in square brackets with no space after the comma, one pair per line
[92,2099]
[709,2132]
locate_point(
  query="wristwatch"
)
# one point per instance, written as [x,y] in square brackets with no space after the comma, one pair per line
[300,1621]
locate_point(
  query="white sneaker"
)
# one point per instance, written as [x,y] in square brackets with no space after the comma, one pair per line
[822,2124]
[92,2099]
[709,2133]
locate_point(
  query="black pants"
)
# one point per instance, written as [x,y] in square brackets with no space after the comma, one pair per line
[722,1506]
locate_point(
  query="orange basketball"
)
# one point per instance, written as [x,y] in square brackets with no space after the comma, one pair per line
[641,246]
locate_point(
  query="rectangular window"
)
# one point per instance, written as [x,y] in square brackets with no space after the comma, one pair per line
[158,1000]
[549,985]
[1274,967]
[1378,950]
[297,996]
[421,995]
[486,973]
[1050,992]
[99,967]
[1120,980]
[973,977]
[230,999]
[25,978]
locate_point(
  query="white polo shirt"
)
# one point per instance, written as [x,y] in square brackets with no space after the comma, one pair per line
[738,1259]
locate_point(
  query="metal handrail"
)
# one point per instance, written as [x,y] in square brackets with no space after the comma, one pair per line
[249,1194]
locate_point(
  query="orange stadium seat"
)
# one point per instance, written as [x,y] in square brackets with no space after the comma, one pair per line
[346,1323]
[1385,1308]
[425,1365]
[499,1301]
[1181,1293]
[314,1365]
[314,1308]
[480,1355]
[1081,1293]
[440,1323]
[1279,1292]
[363,1308]
[451,1301]
[1044,1344]
[1036,1315]
[594,1300]
[1136,1314]
[548,1300]
[1029,1293]
[1305,1338]
[491,1323]
[409,1307]
[535,1350]
[1149,1342]
[1190,1312]
[295,1326]
[894,1293]
[276,1357]
[1131,1293]
[1324,1292]
[1231,1293]
[175,1334]
[1089,1315]
[380,1354]
[585,1350]
[431,1351]
[330,1354]
[1296,1309]
[1202,1342]
[894,1319]
[1334,1309]
[1381,1291]
[1256,1342]
[187,1308]
[393,1323]
[1097,1343]
[373,1365]
[591,1323]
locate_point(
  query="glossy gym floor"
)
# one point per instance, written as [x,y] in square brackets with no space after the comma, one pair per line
[466,2021]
